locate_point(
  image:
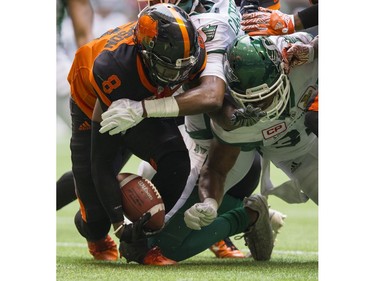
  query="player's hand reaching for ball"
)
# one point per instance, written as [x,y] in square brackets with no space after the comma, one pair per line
[136,231]
[201,214]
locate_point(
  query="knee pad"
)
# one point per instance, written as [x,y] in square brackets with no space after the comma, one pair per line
[94,230]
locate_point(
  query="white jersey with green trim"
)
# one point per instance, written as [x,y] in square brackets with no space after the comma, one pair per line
[218,28]
[287,135]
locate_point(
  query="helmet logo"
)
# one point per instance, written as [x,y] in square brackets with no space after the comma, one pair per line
[147,30]
[271,50]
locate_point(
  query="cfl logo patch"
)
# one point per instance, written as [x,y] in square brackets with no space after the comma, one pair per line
[274,130]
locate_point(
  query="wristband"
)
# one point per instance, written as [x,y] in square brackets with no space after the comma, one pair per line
[164,107]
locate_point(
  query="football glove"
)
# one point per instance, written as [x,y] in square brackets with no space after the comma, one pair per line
[201,214]
[297,54]
[121,115]
[136,231]
[247,116]
[267,22]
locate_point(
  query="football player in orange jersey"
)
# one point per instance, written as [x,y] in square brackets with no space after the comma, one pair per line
[149,58]
[81,14]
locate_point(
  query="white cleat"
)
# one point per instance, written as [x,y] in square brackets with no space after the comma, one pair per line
[277,221]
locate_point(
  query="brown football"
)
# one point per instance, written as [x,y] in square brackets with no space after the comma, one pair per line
[140,196]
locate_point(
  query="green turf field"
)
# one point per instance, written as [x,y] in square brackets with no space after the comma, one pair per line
[295,256]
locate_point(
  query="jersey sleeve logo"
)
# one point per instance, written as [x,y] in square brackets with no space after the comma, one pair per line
[208,32]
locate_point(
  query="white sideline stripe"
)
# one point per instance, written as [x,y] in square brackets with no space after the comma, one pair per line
[295,253]
[83,245]
[71,245]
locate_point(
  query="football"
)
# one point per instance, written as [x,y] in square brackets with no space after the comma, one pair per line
[140,196]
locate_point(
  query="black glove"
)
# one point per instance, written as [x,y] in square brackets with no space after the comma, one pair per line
[247,116]
[136,231]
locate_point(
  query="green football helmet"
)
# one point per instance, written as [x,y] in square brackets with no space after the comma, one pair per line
[254,72]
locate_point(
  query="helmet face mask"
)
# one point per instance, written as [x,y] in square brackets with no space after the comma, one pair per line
[255,75]
[168,43]
[169,73]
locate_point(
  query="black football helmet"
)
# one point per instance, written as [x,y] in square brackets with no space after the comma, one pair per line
[168,43]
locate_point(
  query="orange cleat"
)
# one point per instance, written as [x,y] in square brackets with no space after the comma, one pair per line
[226,249]
[155,257]
[104,249]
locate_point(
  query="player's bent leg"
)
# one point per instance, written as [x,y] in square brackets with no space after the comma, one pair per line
[101,246]
[65,190]
[178,242]
[225,248]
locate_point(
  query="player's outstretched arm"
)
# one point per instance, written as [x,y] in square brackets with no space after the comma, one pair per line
[124,114]
[221,158]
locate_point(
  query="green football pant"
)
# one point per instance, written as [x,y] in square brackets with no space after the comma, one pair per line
[178,242]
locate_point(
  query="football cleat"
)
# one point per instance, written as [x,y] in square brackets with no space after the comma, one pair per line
[277,221]
[155,257]
[259,237]
[104,249]
[226,249]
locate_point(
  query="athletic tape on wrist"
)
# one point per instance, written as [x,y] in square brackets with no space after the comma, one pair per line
[164,107]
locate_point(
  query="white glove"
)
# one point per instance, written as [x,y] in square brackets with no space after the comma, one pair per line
[121,115]
[201,214]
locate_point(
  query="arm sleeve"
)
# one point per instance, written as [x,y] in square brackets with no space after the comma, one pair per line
[105,165]
[309,16]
